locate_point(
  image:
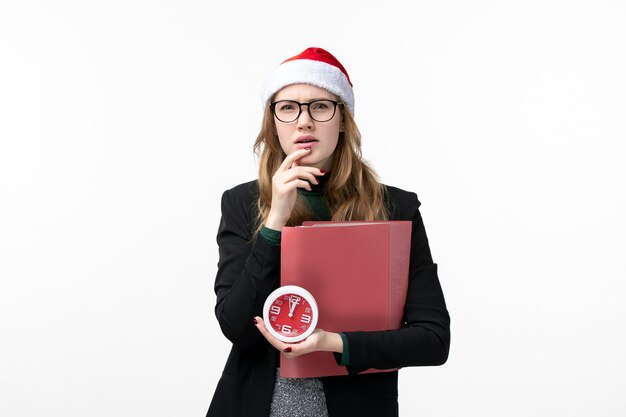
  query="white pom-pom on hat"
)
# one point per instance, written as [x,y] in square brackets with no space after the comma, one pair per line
[314,66]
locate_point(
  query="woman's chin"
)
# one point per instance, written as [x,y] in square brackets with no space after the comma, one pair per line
[314,161]
[309,160]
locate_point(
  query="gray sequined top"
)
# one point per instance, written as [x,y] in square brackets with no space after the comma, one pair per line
[298,397]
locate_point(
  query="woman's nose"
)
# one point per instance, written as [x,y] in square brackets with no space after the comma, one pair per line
[304,120]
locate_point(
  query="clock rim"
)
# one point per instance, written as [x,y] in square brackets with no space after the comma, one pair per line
[290,289]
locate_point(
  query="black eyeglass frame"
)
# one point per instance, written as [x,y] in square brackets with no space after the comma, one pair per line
[308,109]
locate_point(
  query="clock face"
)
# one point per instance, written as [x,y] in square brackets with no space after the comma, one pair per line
[290,313]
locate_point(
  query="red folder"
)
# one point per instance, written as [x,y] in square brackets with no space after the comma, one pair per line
[358,274]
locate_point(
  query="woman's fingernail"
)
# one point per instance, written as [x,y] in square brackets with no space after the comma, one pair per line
[254,320]
[287,350]
[308,149]
[323,171]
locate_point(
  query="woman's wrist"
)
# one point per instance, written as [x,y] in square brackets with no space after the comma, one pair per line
[273,223]
[332,342]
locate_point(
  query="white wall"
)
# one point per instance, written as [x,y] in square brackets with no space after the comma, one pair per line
[121,123]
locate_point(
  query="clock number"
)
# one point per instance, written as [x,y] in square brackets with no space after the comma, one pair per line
[305,318]
[286,329]
[274,310]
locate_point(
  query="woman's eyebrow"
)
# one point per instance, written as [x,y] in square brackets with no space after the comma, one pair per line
[306,101]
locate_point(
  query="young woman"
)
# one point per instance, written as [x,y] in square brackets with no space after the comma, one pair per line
[311,168]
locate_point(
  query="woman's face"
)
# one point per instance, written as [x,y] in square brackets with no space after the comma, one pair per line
[324,135]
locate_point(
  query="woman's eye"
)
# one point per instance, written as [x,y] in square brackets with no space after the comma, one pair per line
[286,107]
[320,106]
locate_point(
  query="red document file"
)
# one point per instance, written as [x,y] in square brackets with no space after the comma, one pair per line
[358,274]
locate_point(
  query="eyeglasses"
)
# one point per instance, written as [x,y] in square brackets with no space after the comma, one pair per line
[288,111]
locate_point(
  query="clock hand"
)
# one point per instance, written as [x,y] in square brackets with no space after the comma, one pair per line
[292,306]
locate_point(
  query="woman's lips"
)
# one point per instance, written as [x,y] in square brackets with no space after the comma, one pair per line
[306,141]
[301,145]
[305,138]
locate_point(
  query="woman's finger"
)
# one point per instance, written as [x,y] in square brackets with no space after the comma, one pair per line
[297,183]
[260,324]
[300,172]
[290,350]
[288,162]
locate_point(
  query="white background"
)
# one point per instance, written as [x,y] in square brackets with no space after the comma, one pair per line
[122,122]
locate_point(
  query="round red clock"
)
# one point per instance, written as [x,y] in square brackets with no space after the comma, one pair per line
[290,313]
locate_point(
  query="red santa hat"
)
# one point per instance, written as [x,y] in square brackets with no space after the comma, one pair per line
[313,66]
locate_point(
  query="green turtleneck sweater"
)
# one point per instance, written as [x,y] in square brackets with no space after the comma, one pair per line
[315,201]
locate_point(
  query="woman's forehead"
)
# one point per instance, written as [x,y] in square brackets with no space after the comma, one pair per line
[303,92]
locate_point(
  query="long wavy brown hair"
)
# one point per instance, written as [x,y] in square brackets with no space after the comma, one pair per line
[353,191]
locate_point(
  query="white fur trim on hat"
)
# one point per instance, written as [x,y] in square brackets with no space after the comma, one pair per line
[307,71]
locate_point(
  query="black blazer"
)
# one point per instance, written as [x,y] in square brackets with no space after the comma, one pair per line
[249,270]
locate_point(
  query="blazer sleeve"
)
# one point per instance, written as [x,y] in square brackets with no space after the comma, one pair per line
[424,338]
[247,270]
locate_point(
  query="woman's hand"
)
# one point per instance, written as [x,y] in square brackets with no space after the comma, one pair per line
[286,180]
[319,340]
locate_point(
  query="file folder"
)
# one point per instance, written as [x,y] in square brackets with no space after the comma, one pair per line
[358,274]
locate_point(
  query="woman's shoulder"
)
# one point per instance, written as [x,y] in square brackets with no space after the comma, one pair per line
[241,197]
[245,190]
[402,204]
